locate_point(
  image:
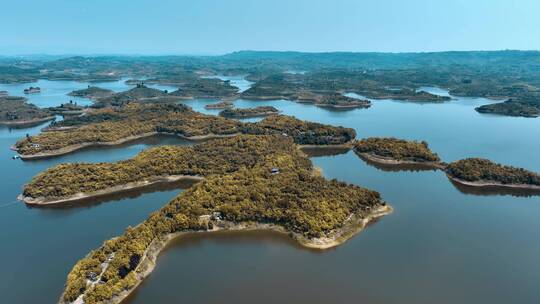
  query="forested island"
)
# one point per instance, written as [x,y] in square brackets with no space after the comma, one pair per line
[249,112]
[276,191]
[140,93]
[335,100]
[513,107]
[480,172]
[16,111]
[136,120]
[394,151]
[92,92]
[220,105]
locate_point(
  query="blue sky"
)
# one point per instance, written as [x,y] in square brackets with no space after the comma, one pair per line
[216,27]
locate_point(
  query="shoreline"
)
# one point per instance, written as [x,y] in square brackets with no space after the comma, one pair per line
[352,226]
[488,184]
[72,148]
[107,191]
[395,162]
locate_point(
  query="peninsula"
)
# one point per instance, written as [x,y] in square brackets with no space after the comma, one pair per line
[278,192]
[76,181]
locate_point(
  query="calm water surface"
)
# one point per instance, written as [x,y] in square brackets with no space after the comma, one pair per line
[54,93]
[440,245]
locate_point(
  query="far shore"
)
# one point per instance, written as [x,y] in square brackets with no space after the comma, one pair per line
[488,184]
[41,201]
[352,226]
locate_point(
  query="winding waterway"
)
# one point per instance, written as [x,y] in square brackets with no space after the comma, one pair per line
[440,245]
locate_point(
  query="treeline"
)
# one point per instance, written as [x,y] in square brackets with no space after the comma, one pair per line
[482,170]
[307,205]
[135,119]
[249,112]
[217,156]
[397,149]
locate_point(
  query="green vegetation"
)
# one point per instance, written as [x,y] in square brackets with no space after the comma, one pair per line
[220,105]
[396,149]
[203,88]
[483,170]
[107,126]
[217,156]
[502,74]
[294,199]
[92,92]
[250,112]
[138,93]
[512,107]
[16,111]
[303,132]
[325,88]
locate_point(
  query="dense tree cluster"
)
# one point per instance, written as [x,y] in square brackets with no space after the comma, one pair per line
[138,93]
[217,156]
[136,119]
[513,107]
[483,170]
[249,112]
[396,149]
[308,206]
[303,132]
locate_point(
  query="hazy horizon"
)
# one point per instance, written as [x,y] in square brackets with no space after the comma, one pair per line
[143,27]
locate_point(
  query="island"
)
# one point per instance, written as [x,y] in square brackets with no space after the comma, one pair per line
[335,100]
[393,151]
[92,92]
[479,172]
[136,120]
[278,191]
[220,105]
[17,112]
[249,112]
[512,107]
[140,93]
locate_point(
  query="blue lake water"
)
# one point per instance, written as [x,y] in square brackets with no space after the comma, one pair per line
[440,245]
[54,93]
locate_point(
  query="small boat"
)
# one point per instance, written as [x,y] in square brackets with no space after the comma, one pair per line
[16,157]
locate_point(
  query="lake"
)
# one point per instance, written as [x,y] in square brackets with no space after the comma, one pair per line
[440,245]
[54,93]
